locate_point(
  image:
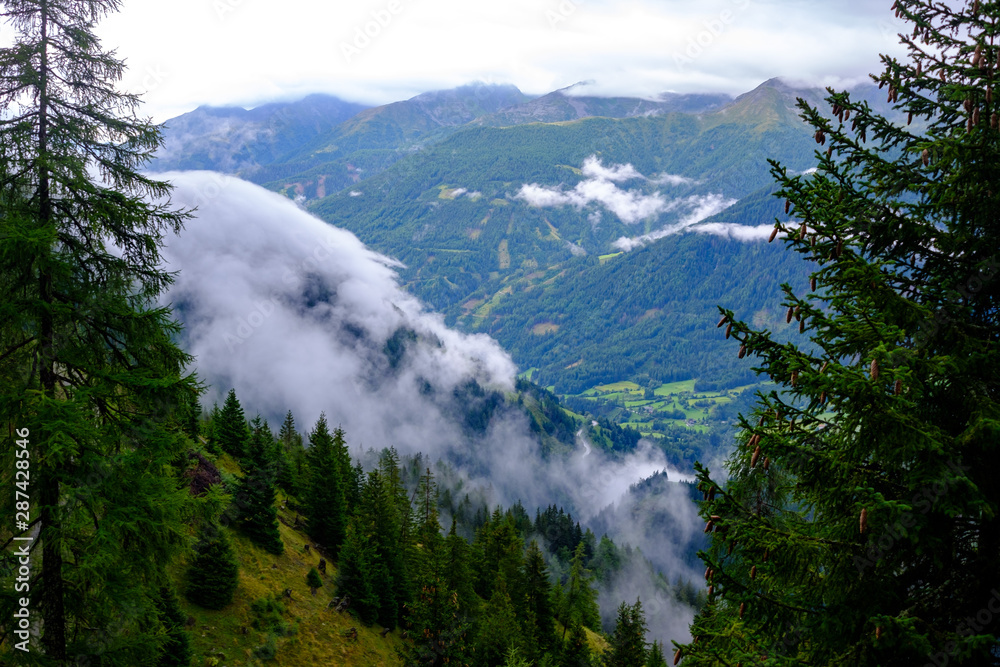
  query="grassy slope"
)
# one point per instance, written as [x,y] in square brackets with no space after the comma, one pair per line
[318,637]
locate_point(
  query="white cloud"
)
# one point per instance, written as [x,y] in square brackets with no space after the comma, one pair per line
[735,232]
[599,187]
[700,207]
[592,168]
[244,52]
[672,179]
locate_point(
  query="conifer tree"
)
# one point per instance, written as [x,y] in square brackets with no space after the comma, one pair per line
[253,503]
[656,657]
[628,641]
[355,571]
[579,598]
[459,574]
[313,579]
[498,629]
[230,430]
[861,524]
[213,575]
[539,619]
[326,498]
[434,619]
[292,473]
[576,652]
[176,650]
[88,356]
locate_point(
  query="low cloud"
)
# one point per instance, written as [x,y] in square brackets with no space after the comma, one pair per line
[699,207]
[297,314]
[672,179]
[592,168]
[600,187]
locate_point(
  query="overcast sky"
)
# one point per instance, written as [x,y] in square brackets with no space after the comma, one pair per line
[184,53]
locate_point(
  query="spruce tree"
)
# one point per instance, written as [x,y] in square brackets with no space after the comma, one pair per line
[576,651]
[579,598]
[627,644]
[434,620]
[498,630]
[355,572]
[89,360]
[230,430]
[313,579]
[213,575]
[292,469]
[861,523]
[539,619]
[176,650]
[326,498]
[656,657]
[253,507]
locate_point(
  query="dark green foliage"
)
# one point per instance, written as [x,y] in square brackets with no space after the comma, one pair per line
[865,529]
[89,363]
[326,495]
[458,573]
[213,575]
[628,641]
[253,502]
[269,616]
[538,622]
[498,553]
[356,572]
[656,657]
[313,578]
[561,533]
[229,429]
[436,618]
[176,650]
[498,630]
[292,473]
[578,601]
[576,651]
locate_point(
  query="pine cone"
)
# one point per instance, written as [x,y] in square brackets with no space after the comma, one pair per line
[873,369]
[756,455]
[774,233]
[863,521]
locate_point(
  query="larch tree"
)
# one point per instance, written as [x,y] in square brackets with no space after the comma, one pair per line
[89,358]
[861,521]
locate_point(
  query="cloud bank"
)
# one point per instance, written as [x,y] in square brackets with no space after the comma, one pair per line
[296,314]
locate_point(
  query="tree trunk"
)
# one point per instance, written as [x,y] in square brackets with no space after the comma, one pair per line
[52,603]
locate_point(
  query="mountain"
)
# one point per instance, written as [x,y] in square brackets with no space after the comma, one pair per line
[563,105]
[512,216]
[239,141]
